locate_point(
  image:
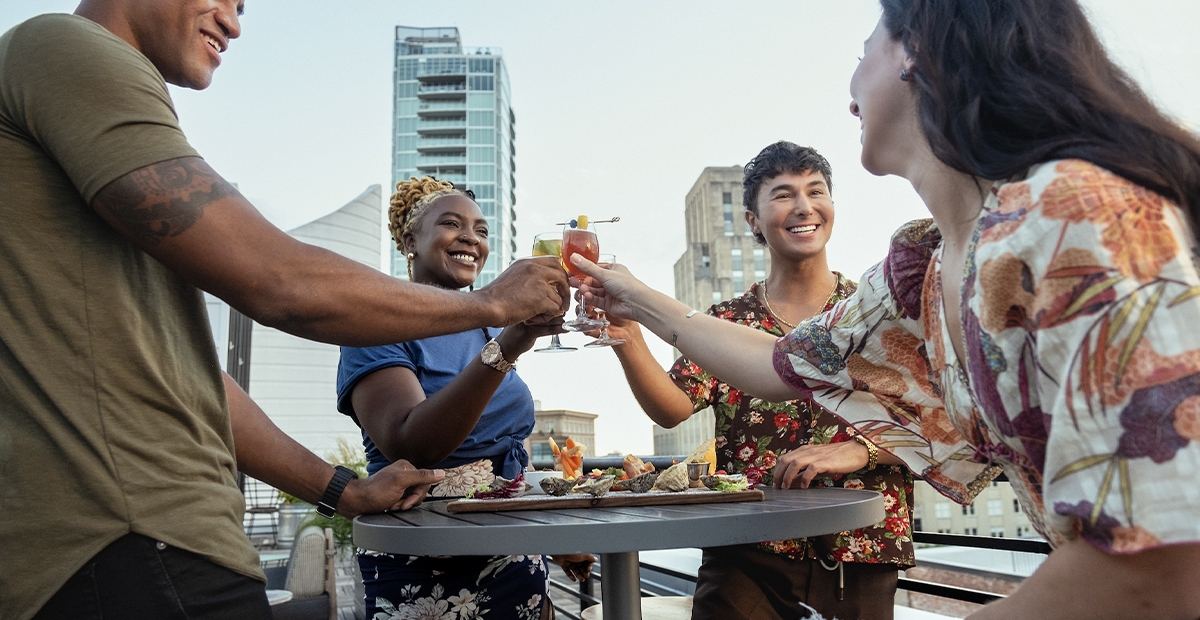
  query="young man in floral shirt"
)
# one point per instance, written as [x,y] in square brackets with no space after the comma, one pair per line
[851,574]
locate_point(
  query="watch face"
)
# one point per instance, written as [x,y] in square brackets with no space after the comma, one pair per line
[491,353]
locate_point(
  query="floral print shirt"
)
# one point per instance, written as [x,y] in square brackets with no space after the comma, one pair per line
[752,433]
[1080,305]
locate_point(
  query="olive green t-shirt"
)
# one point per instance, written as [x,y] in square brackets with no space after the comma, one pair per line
[113,416]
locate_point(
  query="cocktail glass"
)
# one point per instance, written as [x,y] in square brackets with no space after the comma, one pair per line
[578,239]
[550,244]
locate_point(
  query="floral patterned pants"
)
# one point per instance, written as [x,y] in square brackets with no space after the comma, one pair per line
[404,587]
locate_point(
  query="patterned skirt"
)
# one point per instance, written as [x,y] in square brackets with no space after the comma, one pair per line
[503,587]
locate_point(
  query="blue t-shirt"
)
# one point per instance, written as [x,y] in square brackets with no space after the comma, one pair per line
[506,421]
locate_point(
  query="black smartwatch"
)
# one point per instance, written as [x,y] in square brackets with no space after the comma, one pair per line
[342,476]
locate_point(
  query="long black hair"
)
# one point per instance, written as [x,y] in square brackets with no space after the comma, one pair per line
[1006,84]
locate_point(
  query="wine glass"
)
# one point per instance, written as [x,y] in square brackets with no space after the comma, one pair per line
[605,261]
[578,239]
[550,244]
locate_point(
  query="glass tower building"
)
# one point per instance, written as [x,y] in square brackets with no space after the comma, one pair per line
[453,121]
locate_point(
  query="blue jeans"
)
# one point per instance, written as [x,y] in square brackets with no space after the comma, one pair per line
[138,577]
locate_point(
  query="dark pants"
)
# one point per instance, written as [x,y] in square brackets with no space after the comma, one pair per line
[137,577]
[744,582]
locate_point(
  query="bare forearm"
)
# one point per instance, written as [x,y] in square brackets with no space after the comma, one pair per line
[438,425]
[266,453]
[658,396]
[322,296]
[1078,582]
[739,355]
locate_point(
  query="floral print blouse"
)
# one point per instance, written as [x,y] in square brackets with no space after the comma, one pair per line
[1081,314]
[752,433]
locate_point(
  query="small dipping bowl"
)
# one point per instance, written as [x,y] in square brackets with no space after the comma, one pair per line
[695,470]
[535,478]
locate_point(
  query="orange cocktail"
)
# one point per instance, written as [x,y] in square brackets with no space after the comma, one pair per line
[582,242]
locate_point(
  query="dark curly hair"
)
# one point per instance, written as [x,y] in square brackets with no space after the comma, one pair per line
[1006,84]
[783,157]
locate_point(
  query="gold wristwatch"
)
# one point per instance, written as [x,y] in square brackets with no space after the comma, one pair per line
[494,357]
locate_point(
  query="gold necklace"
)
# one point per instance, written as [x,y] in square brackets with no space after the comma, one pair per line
[779,317]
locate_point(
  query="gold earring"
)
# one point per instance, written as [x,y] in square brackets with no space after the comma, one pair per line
[409,259]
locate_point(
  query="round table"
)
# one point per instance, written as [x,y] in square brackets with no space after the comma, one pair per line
[618,534]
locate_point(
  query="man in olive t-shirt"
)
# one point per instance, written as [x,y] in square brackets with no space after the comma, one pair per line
[120,438]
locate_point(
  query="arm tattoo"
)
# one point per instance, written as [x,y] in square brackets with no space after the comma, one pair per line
[164,199]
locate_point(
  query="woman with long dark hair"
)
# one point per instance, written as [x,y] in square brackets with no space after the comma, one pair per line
[1042,323]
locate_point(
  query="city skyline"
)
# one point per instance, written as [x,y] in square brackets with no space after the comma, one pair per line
[621,107]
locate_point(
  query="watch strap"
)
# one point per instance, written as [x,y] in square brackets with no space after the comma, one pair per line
[342,476]
[499,363]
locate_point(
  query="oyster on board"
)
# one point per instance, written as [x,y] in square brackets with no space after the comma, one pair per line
[641,483]
[557,486]
[673,479]
[595,487]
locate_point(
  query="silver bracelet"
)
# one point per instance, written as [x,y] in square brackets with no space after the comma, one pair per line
[675,336]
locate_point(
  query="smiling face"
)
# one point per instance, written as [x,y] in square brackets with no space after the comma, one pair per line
[185,38]
[450,243]
[795,215]
[885,105]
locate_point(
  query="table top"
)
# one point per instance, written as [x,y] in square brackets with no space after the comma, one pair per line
[430,529]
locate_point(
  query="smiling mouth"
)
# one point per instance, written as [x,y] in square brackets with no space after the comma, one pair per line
[213,43]
[465,259]
[803,230]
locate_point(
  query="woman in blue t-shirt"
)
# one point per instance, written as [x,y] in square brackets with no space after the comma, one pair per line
[448,402]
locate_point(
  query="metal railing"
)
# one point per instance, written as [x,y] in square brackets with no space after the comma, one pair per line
[584,591]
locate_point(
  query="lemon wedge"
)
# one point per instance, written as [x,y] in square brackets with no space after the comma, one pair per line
[547,247]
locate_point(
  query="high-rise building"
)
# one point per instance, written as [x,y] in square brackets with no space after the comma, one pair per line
[560,424]
[453,120]
[721,259]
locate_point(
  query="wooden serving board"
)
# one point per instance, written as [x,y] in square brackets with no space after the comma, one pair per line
[615,499]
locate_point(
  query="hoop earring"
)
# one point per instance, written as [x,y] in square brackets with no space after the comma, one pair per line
[905,76]
[409,260]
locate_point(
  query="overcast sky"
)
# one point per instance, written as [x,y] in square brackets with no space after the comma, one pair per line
[619,107]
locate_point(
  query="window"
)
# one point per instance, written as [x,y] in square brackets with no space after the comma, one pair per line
[916,524]
[1021,531]
[716,300]
[481,154]
[481,101]
[481,82]
[406,143]
[969,510]
[481,119]
[995,507]
[759,260]
[705,262]
[481,65]
[997,532]
[541,451]
[727,203]
[942,510]
[481,174]
[406,125]
[739,279]
[488,207]
[480,136]
[1016,506]
[406,90]
[484,192]
[406,69]
[967,531]
[408,160]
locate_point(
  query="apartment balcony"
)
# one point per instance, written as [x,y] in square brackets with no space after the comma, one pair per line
[445,90]
[440,126]
[440,107]
[442,145]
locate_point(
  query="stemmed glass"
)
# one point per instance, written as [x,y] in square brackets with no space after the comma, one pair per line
[577,239]
[606,261]
[550,244]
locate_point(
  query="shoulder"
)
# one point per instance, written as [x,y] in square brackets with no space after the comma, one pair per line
[55,43]
[907,262]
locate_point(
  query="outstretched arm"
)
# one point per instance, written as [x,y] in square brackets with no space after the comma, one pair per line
[741,356]
[654,390]
[190,219]
[266,453]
